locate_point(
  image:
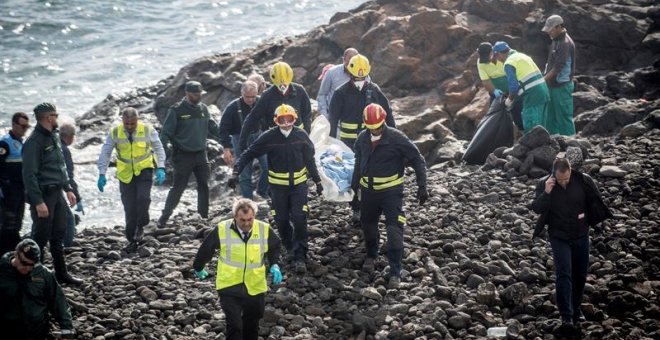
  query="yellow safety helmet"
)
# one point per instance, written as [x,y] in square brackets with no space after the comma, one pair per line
[359,66]
[281,74]
[282,111]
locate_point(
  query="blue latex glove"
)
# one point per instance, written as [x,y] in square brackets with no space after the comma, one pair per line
[202,274]
[101,182]
[160,176]
[79,208]
[497,93]
[277,274]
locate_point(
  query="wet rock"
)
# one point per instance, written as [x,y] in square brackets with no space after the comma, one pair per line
[612,171]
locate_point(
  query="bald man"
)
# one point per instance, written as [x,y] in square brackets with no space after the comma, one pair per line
[334,77]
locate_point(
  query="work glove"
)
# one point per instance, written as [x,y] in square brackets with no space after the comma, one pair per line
[277,274]
[497,93]
[319,188]
[160,176]
[233,180]
[101,182]
[79,208]
[422,195]
[508,103]
[202,274]
[67,333]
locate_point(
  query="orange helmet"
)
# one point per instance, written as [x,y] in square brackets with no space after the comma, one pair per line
[284,111]
[374,116]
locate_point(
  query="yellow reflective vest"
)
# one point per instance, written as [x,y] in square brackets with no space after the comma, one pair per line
[133,155]
[240,261]
[527,73]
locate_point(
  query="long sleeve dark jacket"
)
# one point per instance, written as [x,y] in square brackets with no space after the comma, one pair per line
[68,160]
[187,126]
[388,159]
[595,209]
[286,155]
[231,121]
[43,164]
[261,116]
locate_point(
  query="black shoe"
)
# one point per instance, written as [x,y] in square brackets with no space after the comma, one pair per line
[301,268]
[578,317]
[131,247]
[139,234]
[68,279]
[162,222]
[369,265]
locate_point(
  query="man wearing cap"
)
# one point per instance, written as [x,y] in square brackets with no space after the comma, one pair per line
[45,178]
[11,182]
[186,127]
[559,72]
[29,293]
[525,80]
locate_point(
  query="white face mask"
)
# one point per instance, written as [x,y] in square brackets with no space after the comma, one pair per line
[376,138]
[283,88]
[286,133]
[359,84]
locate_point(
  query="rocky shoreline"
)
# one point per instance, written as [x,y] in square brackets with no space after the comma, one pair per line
[470,263]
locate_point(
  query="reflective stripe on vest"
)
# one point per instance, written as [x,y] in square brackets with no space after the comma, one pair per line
[350,130]
[527,73]
[381,183]
[240,261]
[135,156]
[15,149]
[286,178]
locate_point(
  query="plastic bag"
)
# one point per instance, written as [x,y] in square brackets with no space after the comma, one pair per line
[333,159]
[493,131]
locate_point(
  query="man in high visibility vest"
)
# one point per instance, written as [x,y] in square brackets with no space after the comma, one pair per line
[242,244]
[290,159]
[381,155]
[135,143]
[525,79]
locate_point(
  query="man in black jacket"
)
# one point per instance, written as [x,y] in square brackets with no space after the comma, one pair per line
[569,209]
[67,135]
[45,178]
[290,160]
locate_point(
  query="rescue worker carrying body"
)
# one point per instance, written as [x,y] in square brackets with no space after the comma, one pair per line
[381,154]
[283,91]
[350,99]
[290,161]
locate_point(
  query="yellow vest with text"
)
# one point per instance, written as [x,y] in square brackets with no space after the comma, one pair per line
[242,262]
[132,156]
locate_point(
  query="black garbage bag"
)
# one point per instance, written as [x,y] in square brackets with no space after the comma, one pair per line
[493,131]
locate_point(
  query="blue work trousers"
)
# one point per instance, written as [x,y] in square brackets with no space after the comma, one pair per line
[245,178]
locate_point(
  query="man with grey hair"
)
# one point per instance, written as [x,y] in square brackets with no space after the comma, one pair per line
[45,178]
[333,78]
[67,135]
[242,244]
[135,143]
[231,123]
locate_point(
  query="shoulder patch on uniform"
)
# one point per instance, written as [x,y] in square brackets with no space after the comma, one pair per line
[185,116]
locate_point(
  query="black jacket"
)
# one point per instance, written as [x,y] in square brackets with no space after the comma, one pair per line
[68,160]
[285,154]
[348,103]
[43,164]
[391,155]
[596,210]
[231,121]
[261,116]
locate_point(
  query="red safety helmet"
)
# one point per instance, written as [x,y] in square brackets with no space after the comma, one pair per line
[374,116]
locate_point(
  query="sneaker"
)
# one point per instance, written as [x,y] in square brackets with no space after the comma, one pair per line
[394,283]
[578,317]
[369,265]
[301,268]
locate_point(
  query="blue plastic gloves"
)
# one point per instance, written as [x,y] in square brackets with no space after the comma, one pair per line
[101,182]
[202,274]
[79,208]
[160,176]
[277,274]
[497,93]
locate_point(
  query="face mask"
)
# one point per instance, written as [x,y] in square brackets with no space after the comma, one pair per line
[376,138]
[359,84]
[283,88]
[286,133]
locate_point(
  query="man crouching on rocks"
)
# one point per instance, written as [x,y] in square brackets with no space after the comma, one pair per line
[569,209]
[242,243]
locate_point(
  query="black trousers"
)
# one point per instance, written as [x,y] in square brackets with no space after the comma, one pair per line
[51,229]
[389,203]
[185,164]
[136,198]
[290,206]
[13,208]
[242,313]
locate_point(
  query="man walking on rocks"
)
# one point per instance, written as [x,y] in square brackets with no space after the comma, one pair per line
[67,135]
[186,127]
[290,160]
[242,244]
[559,72]
[230,130]
[381,155]
[45,177]
[11,182]
[569,202]
[336,76]
[136,144]
[523,74]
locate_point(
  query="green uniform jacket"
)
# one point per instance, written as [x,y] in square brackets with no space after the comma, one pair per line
[28,299]
[43,164]
[187,126]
